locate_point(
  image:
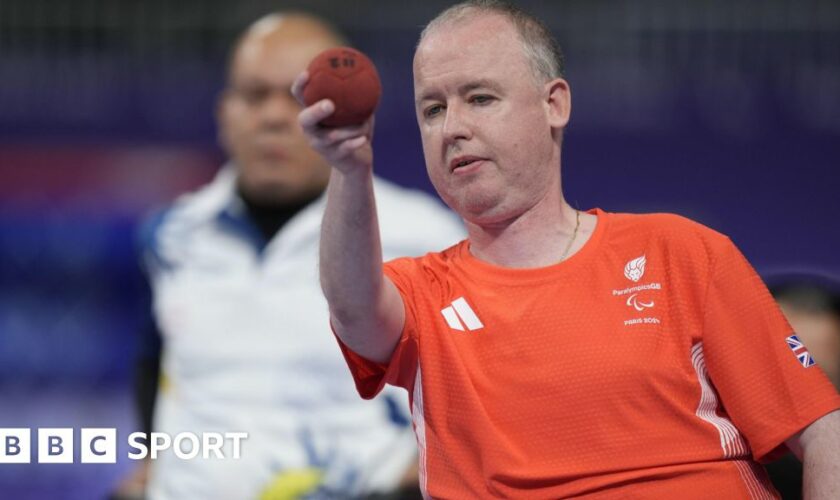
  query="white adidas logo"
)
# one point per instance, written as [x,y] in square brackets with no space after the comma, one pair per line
[461,311]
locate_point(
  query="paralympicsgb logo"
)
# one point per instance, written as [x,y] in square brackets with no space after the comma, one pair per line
[635,269]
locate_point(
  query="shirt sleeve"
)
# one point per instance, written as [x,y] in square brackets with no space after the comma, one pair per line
[768,388]
[370,376]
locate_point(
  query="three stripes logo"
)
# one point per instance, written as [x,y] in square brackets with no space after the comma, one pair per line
[460,315]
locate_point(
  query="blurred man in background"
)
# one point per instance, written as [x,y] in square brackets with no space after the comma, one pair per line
[811,304]
[236,301]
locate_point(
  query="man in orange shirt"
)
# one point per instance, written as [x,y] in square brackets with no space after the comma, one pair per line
[557,353]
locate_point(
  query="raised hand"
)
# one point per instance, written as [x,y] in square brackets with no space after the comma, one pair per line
[347,149]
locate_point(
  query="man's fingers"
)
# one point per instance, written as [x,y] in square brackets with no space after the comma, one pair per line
[342,147]
[297,86]
[335,139]
[344,133]
[323,137]
[351,145]
[311,116]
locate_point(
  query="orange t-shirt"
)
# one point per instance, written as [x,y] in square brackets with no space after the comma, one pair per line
[653,363]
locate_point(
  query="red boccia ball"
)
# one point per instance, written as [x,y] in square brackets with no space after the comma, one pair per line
[349,79]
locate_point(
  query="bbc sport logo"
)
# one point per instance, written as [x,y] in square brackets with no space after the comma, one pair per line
[99,445]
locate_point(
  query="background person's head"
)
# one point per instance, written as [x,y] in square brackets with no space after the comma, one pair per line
[257,113]
[813,310]
[488,87]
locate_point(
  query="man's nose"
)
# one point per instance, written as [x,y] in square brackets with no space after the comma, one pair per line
[279,109]
[457,124]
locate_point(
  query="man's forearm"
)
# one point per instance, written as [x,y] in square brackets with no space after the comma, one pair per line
[351,266]
[351,254]
[821,459]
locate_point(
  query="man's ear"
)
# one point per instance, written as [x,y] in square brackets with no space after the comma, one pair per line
[221,102]
[559,102]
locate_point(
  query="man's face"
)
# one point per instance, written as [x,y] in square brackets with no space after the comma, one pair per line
[258,118]
[477,101]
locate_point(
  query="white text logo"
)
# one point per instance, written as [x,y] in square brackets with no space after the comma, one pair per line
[99,446]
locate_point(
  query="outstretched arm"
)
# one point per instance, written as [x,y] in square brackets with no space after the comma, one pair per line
[366,309]
[818,446]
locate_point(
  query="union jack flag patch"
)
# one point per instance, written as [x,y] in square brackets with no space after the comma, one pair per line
[800,351]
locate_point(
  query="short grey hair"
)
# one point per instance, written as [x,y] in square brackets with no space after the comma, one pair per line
[540,46]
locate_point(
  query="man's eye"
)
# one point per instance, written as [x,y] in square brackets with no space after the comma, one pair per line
[481,99]
[253,95]
[433,110]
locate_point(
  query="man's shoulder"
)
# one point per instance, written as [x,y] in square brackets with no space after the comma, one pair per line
[665,227]
[168,227]
[431,263]
[683,242]
[192,208]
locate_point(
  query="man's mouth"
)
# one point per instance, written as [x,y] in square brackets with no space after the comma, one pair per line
[272,152]
[463,161]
